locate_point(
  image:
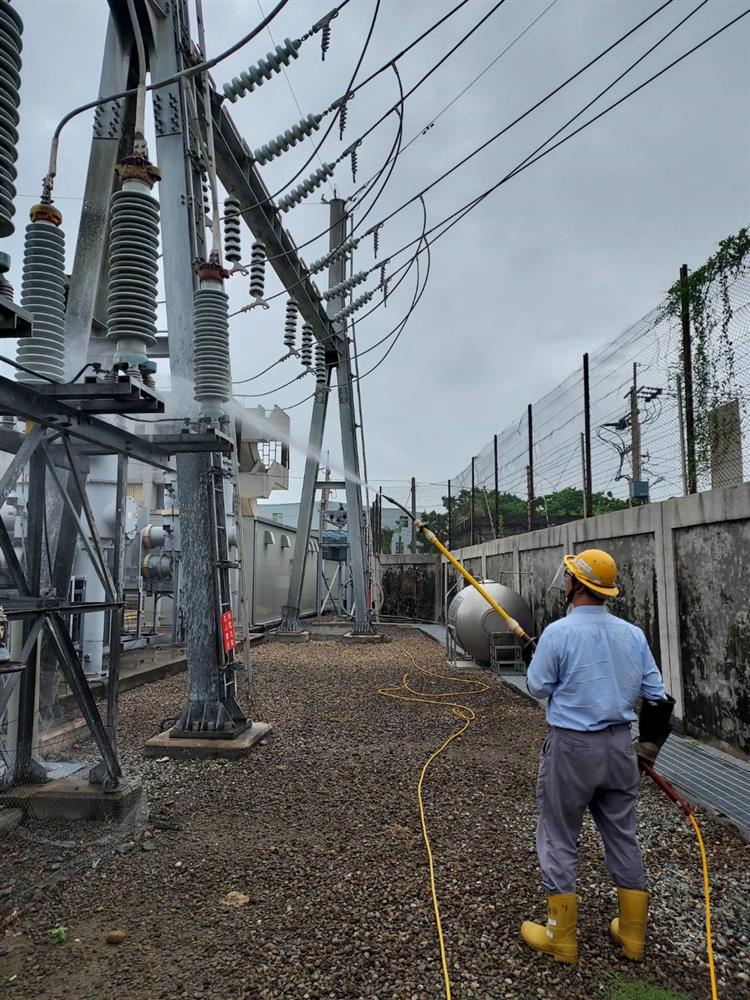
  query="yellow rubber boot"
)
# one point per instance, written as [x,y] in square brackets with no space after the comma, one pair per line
[558,936]
[629,929]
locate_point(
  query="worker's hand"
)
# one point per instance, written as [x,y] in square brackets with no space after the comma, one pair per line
[646,751]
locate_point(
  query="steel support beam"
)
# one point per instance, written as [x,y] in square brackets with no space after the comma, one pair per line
[210,709]
[100,181]
[23,401]
[290,613]
[26,769]
[348,418]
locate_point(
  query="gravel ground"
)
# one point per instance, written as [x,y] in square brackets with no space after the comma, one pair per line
[319,828]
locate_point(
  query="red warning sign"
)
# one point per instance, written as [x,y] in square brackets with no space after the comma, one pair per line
[227,631]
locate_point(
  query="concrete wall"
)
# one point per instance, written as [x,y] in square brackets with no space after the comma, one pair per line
[685,577]
[272,548]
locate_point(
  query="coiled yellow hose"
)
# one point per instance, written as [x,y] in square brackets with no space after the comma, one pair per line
[405,692]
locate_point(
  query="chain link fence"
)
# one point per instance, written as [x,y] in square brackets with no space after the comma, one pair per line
[643,440]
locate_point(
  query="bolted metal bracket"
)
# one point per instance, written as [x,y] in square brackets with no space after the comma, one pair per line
[167,111]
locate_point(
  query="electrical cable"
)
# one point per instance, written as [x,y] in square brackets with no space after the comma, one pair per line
[428,125]
[139,138]
[398,327]
[395,107]
[183,74]
[528,111]
[216,247]
[512,124]
[414,305]
[525,164]
[436,66]
[466,715]
[460,213]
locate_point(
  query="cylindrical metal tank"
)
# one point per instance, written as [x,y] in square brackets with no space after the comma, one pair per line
[474,621]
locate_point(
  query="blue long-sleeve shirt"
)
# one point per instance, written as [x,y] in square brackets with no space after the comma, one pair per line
[592,666]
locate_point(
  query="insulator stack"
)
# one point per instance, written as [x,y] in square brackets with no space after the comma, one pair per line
[263,70]
[320,363]
[306,352]
[325,41]
[232,241]
[351,244]
[343,117]
[375,242]
[344,286]
[285,140]
[258,269]
[295,196]
[290,324]
[211,343]
[353,307]
[11,27]
[133,269]
[43,294]
[384,283]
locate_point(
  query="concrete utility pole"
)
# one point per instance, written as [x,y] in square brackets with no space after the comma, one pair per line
[290,620]
[635,429]
[413,516]
[321,528]
[347,416]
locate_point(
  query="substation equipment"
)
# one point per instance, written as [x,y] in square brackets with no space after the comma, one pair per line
[73,545]
[477,629]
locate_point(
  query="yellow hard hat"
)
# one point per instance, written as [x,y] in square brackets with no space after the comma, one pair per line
[596,570]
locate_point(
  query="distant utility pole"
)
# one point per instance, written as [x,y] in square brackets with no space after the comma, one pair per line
[321,528]
[635,429]
[687,377]
[583,474]
[413,516]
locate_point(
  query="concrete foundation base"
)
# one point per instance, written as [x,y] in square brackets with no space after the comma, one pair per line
[364,640]
[289,637]
[73,798]
[178,748]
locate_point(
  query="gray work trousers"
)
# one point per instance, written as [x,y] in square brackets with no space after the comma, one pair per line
[597,770]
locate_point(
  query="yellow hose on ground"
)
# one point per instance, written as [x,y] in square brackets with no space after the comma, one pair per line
[405,692]
[707,898]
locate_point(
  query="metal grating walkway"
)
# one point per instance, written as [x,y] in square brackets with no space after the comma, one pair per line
[707,776]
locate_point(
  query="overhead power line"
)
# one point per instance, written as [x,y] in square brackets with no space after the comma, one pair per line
[429,124]
[461,213]
[516,121]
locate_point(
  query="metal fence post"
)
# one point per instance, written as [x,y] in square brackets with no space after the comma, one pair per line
[497,493]
[471,515]
[583,474]
[413,516]
[588,492]
[530,468]
[687,376]
[450,516]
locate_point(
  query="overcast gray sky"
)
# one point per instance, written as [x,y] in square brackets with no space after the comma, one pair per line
[556,262]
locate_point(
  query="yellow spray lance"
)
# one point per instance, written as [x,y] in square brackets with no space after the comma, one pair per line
[512,624]
[660,781]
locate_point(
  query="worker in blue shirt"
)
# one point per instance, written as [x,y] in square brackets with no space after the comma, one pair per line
[592,667]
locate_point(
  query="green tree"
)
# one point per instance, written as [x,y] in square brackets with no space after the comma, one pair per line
[386,540]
